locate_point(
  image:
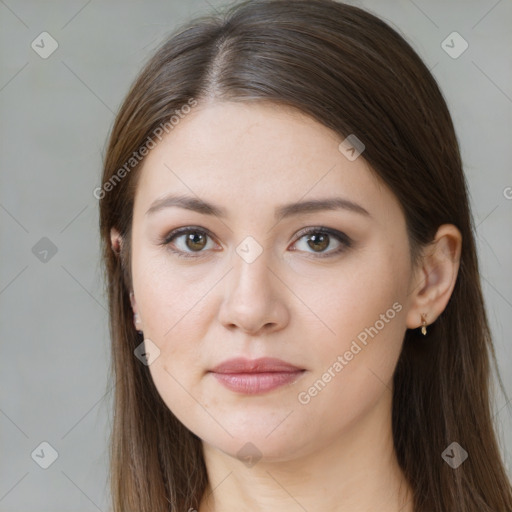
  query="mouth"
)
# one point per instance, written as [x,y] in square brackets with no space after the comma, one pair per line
[256,376]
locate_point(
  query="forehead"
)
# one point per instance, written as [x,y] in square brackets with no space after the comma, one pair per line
[254,155]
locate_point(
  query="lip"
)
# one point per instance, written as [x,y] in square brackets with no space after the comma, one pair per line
[263,364]
[254,376]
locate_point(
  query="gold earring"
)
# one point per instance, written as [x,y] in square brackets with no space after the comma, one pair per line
[423,324]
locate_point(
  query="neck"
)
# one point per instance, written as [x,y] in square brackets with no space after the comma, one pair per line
[358,472]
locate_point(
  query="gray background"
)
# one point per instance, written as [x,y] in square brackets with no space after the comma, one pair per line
[55,117]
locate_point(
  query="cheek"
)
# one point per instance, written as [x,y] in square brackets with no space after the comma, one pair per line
[365,294]
[365,309]
[170,297]
[173,312]
[352,378]
[176,387]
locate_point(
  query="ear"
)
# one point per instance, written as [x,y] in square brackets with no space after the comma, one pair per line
[435,277]
[117,244]
[116,240]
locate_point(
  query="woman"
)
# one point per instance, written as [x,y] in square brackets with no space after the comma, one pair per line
[295,307]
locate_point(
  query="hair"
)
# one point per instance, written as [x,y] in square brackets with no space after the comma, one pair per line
[352,72]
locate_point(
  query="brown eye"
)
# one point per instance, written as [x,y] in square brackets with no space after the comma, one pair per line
[184,242]
[318,242]
[195,241]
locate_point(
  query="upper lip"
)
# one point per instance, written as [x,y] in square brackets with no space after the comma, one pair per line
[263,364]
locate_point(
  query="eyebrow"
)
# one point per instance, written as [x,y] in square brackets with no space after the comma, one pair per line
[287,210]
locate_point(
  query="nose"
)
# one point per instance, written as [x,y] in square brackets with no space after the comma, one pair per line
[255,297]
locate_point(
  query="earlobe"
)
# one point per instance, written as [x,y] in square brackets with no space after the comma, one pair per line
[136,317]
[439,269]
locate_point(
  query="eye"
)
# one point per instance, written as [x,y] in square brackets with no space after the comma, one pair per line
[320,238]
[186,241]
[191,240]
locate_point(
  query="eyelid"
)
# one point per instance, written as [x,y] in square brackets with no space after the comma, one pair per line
[322,229]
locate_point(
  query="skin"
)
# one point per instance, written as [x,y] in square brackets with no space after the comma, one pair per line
[335,452]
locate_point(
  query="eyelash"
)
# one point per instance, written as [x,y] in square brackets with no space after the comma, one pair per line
[344,240]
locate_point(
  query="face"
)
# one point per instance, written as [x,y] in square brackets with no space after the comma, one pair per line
[322,290]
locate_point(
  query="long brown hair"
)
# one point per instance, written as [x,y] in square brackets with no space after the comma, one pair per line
[353,73]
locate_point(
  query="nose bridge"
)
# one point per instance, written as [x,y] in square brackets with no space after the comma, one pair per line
[253,298]
[251,277]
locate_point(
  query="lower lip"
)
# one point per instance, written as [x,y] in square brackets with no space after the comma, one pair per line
[254,383]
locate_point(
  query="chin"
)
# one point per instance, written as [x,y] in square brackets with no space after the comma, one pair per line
[259,436]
